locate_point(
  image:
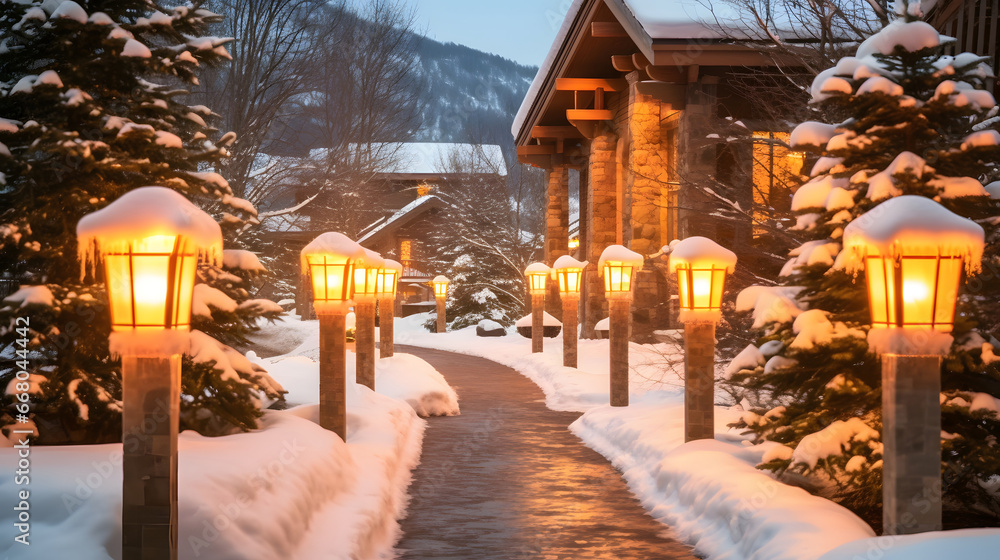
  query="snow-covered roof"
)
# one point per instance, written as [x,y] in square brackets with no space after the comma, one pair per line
[397,217]
[911,225]
[619,253]
[440,279]
[701,252]
[567,261]
[434,158]
[536,268]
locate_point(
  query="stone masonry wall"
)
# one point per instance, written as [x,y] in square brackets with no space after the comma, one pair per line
[601,217]
[557,215]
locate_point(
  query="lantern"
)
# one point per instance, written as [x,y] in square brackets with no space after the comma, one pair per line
[618,265]
[440,286]
[366,276]
[701,266]
[330,260]
[388,278]
[913,251]
[569,274]
[149,241]
[536,274]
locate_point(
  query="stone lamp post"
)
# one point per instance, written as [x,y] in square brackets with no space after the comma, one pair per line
[913,252]
[701,266]
[365,292]
[149,241]
[441,296]
[535,276]
[618,265]
[385,285]
[569,274]
[329,260]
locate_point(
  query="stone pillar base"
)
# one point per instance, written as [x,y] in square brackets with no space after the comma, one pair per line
[364,347]
[570,307]
[333,373]
[386,313]
[151,397]
[911,434]
[619,335]
[442,325]
[699,381]
[537,322]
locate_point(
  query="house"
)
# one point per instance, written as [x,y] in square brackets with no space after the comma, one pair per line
[627,100]
[974,24]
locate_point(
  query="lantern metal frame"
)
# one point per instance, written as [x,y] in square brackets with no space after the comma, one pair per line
[608,272]
[686,283]
[368,288]
[537,282]
[390,276]
[440,288]
[563,276]
[889,281]
[181,263]
[347,286]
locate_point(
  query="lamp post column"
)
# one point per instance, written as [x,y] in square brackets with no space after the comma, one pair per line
[699,380]
[333,373]
[911,434]
[537,322]
[386,312]
[364,336]
[571,307]
[442,325]
[620,311]
[151,388]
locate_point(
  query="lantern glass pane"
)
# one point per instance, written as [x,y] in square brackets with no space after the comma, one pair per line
[569,280]
[150,287]
[184,290]
[365,280]
[385,284]
[536,282]
[701,288]
[617,277]
[880,288]
[949,279]
[331,278]
[440,289]
[919,279]
[718,286]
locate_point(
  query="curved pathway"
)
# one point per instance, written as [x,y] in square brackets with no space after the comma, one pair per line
[508,480]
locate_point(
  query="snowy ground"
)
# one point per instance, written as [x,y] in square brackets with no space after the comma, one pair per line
[709,492]
[289,490]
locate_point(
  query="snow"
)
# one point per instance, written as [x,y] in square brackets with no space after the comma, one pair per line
[700,252]
[911,225]
[834,84]
[100,18]
[912,36]
[955,187]
[820,251]
[396,216]
[912,342]
[814,194]
[984,401]
[440,279]
[32,295]
[963,543]
[547,321]
[334,243]
[769,304]
[49,77]
[749,358]
[566,261]
[619,253]
[839,199]
[261,306]
[962,94]
[832,440]
[536,268]
[812,133]
[205,296]
[993,189]
[205,349]
[241,260]
[146,212]
[880,84]
[70,10]
[168,139]
[135,49]
[981,139]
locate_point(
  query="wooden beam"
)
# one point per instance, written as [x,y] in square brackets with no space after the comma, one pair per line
[555,132]
[590,84]
[536,150]
[640,61]
[669,74]
[623,62]
[607,29]
[692,73]
[588,115]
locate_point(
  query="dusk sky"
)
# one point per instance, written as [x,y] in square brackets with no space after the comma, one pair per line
[521,30]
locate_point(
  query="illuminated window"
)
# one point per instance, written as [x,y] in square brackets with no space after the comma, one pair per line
[774,170]
[405,251]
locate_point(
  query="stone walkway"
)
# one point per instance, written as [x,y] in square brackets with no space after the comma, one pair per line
[507,480]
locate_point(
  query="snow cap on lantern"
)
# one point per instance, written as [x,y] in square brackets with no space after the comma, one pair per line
[440,286]
[149,240]
[330,260]
[913,251]
[569,272]
[617,265]
[701,266]
[366,276]
[536,274]
[388,278]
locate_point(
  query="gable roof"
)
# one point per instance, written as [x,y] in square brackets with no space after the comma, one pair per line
[375,232]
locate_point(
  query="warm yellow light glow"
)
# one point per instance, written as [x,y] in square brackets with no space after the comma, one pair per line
[440,287]
[332,277]
[701,288]
[574,243]
[617,278]
[365,281]
[536,282]
[151,285]
[570,280]
[917,291]
[386,282]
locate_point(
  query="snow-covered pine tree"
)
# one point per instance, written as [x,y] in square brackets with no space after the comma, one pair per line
[906,119]
[91,105]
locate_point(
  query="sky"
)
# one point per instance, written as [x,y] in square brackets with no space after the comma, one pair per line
[521,30]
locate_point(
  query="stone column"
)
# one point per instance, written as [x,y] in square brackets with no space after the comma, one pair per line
[557,215]
[570,320]
[699,380]
[151,398]
[601,217]
[911,434]
[442,325]
[619,335]
[364,347]
[537,322]
[649,170]
[333,373]
[386,312]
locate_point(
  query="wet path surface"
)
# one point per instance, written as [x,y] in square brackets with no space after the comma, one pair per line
[507,480]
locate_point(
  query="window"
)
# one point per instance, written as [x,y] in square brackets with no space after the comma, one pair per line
[774,170]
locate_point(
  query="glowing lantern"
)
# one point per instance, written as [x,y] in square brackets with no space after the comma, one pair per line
[330,260]
[149,241]
[569,273]
[440,286]
[913,251]
[388,278]
[536,275]
[366,276]
[701,266]
[618,265]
